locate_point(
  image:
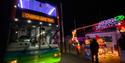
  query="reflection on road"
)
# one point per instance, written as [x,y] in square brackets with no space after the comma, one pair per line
[109,57]
[35,56]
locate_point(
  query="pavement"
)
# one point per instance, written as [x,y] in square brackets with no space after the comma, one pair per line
[72,58]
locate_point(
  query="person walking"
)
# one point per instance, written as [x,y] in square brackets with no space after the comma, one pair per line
[94,47]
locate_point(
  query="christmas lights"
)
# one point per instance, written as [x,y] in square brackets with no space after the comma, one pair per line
[106,24]
[120,17]
[112,22]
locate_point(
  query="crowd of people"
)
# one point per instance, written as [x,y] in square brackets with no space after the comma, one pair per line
[91,48]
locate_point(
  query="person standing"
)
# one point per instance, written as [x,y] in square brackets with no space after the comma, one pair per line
[94,47]
[121,45]
[87,48]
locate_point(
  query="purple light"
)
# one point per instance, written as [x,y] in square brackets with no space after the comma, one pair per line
[54,13]
[21,3]
[106,24]
[38,6]
[50,12]
[18,4]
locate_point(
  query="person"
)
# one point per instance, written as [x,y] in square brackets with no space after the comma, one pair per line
[94,47]
[121,45]
[87,48]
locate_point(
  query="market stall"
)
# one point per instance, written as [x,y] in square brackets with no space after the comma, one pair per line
[107,33]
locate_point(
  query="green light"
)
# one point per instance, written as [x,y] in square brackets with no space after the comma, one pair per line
[120,17]
[47,58]
[42,58]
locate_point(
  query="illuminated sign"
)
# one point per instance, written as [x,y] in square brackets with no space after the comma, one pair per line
[37,6]
[37,17]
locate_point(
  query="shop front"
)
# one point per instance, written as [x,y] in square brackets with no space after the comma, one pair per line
[106,40]
[107,33]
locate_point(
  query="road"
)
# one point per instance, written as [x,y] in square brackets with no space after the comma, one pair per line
[71,58]
[107,58]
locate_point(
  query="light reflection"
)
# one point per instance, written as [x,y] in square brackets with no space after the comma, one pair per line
[50,24]
[15,6]
[50,12]
[108,56]
[56,25]
[14,61]
[21,3]
[16,19]
[40,23]
[29,21]
[38,6]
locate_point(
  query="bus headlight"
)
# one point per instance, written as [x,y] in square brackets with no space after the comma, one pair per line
[13,61]
[57,54]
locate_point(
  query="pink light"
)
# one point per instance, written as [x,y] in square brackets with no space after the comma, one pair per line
[119,23]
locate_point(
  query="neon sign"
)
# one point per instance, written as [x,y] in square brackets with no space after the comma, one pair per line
[37,17]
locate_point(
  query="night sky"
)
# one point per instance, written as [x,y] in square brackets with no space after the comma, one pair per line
[89,12]
[85,12]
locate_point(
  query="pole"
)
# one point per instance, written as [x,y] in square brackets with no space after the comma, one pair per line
[59,16]
[62,26]
[74,22]
[6,9]
[86,26]
[39,37]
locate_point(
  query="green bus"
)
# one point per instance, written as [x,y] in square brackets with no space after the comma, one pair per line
[34,33]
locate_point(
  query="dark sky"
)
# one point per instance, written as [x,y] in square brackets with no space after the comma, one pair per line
[89,12]
[86,12]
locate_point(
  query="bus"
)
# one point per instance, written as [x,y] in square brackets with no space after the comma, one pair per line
[34,33]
